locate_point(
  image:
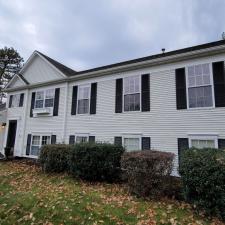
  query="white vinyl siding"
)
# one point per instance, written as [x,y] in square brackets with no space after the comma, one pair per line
[200,86]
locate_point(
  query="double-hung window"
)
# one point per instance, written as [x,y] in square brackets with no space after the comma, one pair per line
[37,142]
[83,99]
[44,99]
[199,79]
[15,100]
[132,93]
[49,97]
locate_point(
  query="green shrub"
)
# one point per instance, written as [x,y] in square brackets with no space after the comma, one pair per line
[96,162]
[54,158]
[146,171]
[203,175]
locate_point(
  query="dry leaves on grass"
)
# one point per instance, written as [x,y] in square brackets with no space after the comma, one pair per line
[57,191]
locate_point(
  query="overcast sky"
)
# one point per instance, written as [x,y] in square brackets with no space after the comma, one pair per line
[84,34]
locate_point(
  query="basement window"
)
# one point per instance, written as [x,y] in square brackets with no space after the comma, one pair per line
[132,142]
[82,138]
[37,142]
[203,141]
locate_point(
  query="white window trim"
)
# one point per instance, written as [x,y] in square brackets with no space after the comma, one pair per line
[203,137]
[82,135]
[44,98]
[84,85]
[132,136]
[211,84]
[140,89]
[40,142]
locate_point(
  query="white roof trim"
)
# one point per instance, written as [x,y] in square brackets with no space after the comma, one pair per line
[136,65]
[29,61]
[42,57]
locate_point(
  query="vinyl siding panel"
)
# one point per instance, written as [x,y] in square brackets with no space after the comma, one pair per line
[49,125]
[17,83]
[40,71]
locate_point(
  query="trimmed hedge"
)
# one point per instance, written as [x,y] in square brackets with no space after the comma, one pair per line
[96,162]
[54,158]
[203,175]
[146,171]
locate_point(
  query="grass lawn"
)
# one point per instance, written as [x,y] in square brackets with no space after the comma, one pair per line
[27,196]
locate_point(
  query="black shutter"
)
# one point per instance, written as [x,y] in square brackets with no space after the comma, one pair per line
[28,144]
[10,101]
[21,100]
[56,102]
[118,141]
[53,139]
[72,140]
[119,95]
[93,98]
[74,101]
[219,83]
[221,143]
[91,139]
[32,104]
[181,95]
[145,93]
[182,146]
[146,143]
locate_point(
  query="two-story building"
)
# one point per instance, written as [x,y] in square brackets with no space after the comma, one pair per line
[167,102]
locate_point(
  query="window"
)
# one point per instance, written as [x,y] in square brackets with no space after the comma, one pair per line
[132,144]
[46,140]
[15,101]
[44,99]
[83,99]
[199,86]
[81,139]
[35,146]
[49,98]
[132,93]
[37,142]
[39,102]
[203,141]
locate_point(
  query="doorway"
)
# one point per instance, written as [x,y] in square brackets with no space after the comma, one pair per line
[11,138]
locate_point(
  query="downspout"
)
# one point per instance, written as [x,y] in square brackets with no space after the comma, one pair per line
[65,113]
[24,122]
